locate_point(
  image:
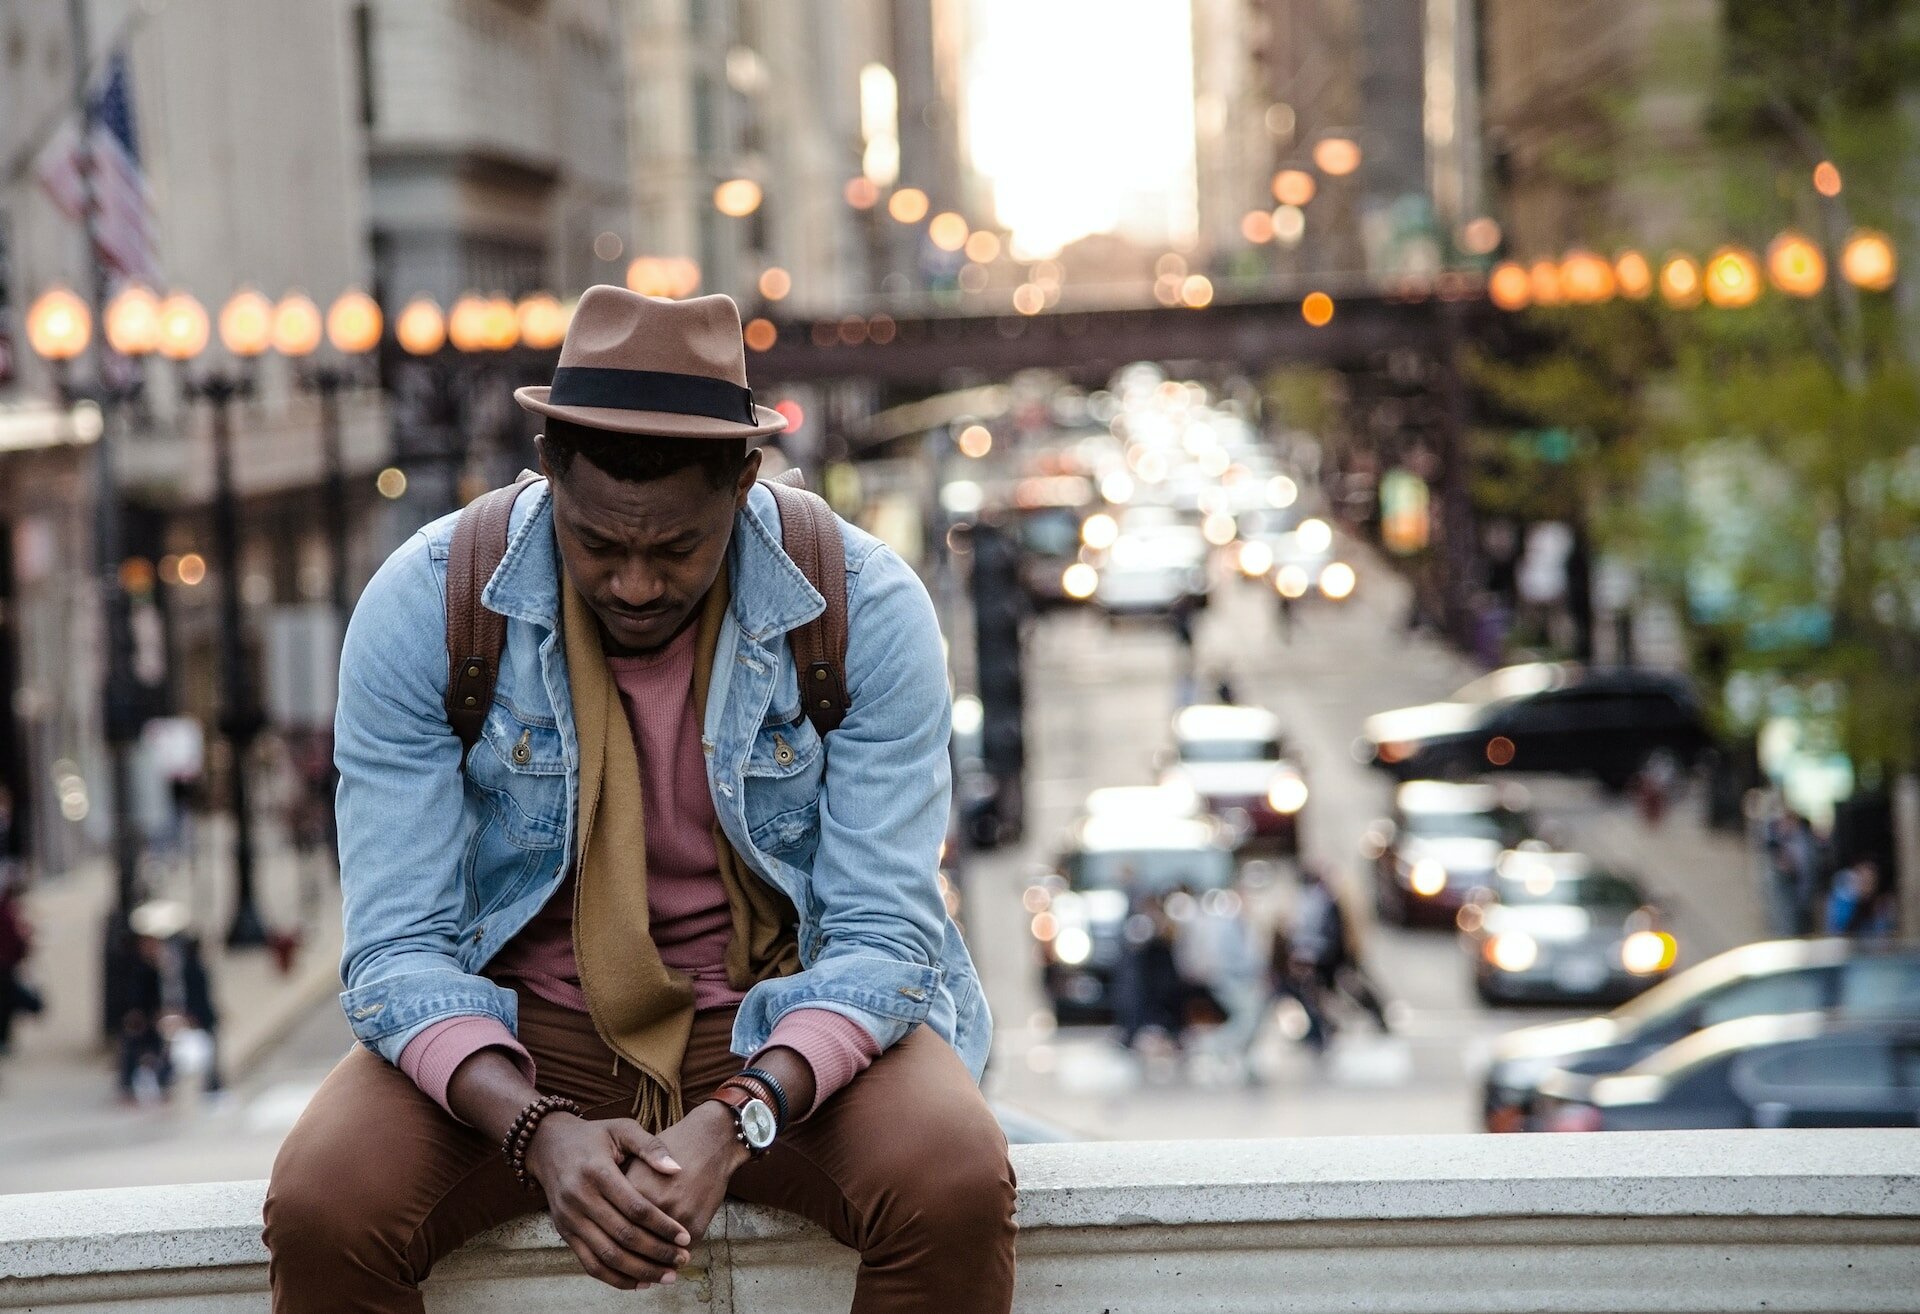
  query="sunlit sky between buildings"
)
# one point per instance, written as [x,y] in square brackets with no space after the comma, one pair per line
[1080,112]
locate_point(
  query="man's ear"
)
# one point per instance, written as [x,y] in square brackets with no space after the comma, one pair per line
[540,455]
[749,475]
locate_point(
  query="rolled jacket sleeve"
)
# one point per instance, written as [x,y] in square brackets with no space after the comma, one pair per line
[400,808]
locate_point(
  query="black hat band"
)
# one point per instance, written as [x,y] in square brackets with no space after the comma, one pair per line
[652,390]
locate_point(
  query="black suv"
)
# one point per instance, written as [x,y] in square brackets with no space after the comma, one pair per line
[1556,717]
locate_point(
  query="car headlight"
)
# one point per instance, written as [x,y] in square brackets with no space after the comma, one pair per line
[1513,951]
[1288,794]
[1072,946]
[1079,580]
[1337,581]
[1427,878]
[1646,952]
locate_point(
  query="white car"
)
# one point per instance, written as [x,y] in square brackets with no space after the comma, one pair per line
[1233,757]
[1148,570]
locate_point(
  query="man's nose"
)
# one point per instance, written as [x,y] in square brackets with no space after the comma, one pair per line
[636,585]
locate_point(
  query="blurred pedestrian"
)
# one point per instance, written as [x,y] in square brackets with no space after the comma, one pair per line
[145,1069]
[1218,950]
[1286,616]
[1223,690]
[1325,954]
[1858,907]
[16,945]
[1793,860]
[1154,995]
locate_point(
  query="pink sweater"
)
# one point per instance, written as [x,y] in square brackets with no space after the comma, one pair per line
[691,922]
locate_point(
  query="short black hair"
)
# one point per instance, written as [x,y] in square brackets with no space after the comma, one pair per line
[642,458]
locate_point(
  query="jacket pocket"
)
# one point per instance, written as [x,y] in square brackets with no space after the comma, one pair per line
[521,772]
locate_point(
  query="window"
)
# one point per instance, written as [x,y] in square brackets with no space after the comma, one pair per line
[1881,985]
[1850,1063]
[1786,992]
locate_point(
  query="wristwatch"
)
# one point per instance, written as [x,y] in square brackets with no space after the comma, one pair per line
[753,1122]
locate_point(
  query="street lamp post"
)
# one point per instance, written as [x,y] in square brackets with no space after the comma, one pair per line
[245,329]
[59,329]
[352,327]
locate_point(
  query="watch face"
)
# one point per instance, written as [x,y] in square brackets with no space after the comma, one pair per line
[757,1124]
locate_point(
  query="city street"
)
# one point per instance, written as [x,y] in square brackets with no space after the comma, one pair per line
[1099,699]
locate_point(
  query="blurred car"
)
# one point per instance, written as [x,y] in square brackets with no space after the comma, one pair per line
[1554,927]
[1233,759]
[1080,909]
[1047,515]
[1441,842]
[1773,976]
[1304,565]
[1775,1070]
[1152,561]
[1547,716]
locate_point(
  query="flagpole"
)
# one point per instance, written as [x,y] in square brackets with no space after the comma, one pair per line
[119,957]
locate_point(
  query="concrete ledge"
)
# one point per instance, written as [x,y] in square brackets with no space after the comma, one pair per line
[1676,1221]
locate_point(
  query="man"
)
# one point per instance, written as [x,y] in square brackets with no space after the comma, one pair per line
[651,888]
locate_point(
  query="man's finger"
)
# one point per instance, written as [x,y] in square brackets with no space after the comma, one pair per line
[624,1196]
[642,1144]
[634,1239]
[607,1254]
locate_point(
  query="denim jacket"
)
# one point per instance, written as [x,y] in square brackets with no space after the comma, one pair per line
[440,868]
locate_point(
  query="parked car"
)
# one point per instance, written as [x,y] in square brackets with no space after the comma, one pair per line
[1770,977]
[1047,514]
[1550,716]
[1775,1070]
[1234,759]
[1156,560]
[1555,927]
[1441,842]
[1110,861]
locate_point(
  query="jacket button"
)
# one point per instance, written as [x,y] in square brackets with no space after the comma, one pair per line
[470,701]
[820,674]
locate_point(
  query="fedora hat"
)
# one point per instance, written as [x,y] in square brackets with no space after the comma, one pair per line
[644,365]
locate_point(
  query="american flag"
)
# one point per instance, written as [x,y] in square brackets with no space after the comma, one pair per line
[123,207]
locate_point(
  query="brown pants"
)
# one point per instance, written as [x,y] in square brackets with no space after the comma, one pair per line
[906,1165]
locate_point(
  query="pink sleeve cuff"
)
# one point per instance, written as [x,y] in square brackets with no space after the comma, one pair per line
[837,1048]
[431,1058]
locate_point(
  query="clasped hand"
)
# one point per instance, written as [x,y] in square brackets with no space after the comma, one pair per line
[629,1203]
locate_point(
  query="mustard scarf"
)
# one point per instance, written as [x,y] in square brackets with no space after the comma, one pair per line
[642,1009]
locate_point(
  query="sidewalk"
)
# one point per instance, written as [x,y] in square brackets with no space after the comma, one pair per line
[59,1065]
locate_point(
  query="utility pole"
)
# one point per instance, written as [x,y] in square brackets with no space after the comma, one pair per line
[118,700]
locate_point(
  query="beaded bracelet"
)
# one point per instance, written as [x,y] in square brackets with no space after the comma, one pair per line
[519,1137]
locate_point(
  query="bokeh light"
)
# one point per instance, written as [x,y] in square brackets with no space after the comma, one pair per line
[1337,156]
[297,327]
[948,231]
[908,205]
[1293,187]
[1256,226]
[1509,286]
[246,323]
[133,321]
[737,197]
[1680,281]
[1633,275]
[184,327]
[353,323]
[983,247]
[1826,178]
[1868,260]
[1795,265]
[1317,309]
[1732,278]
[421,329]
[1586,278]
[760,334]
[59,325]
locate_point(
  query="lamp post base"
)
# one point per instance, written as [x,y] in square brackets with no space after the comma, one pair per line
[246,931]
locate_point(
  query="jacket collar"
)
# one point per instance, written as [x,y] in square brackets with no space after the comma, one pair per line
[771,594]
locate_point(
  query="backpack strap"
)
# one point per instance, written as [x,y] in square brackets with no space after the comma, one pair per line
[475,635]
[810,534]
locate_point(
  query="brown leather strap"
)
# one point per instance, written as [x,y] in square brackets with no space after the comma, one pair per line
[475,635]
[810,533]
